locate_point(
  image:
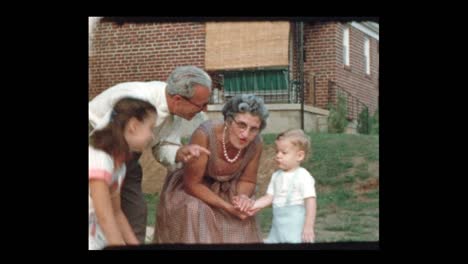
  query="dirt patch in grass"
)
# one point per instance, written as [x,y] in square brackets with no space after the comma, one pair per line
[368,185]
[266,168]
[372,182]
[357,161]
[153,173]
[373,169]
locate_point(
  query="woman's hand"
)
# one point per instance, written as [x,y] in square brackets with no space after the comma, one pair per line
[242,202]
[188,152]
[242,216]
[237,213]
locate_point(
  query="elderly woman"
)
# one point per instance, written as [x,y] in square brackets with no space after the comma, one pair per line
[196,202]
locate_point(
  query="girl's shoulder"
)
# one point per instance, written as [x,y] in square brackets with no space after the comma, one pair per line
[97,152]
[99,158]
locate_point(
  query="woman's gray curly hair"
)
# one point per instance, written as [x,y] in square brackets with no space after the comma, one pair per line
[246,103]
[182,80]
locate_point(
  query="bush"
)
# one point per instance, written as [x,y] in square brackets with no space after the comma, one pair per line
[363,121]
[375,123]
[337,118]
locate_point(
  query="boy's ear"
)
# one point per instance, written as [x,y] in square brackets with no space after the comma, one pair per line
[301,155]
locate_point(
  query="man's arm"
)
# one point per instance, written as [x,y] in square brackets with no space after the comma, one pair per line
[170,152]
[167,143]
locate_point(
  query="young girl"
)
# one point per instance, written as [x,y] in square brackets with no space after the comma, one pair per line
[292,192]
[128,127]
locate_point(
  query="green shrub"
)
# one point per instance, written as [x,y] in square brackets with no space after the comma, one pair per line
[375,123]
[337,118]
[363,121]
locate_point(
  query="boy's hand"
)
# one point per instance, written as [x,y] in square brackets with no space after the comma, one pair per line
[253,210]
[308,235]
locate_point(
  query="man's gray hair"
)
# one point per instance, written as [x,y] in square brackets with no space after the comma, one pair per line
[182,80]
[246,103]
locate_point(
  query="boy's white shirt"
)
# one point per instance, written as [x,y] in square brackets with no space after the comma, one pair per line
[303,187]
[168,127]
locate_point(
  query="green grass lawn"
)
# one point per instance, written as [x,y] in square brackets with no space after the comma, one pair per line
[345,168]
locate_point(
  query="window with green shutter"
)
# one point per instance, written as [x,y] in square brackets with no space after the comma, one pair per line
[268,83]
[271,81]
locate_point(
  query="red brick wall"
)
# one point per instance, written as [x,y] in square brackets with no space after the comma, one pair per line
[320,45]
[323,57]
[150,51]
[142,52]
[354,78]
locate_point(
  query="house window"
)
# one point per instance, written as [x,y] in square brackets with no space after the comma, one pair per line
[367,55]
[346,46]
[271,84]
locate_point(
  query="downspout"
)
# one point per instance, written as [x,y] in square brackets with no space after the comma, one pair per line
[300,64]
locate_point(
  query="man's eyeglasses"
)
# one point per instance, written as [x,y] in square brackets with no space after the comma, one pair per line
[194,104]
[243,126]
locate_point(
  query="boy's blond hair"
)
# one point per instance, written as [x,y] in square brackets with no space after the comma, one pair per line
[298,138]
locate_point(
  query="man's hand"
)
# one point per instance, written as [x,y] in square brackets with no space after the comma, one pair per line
[188,152]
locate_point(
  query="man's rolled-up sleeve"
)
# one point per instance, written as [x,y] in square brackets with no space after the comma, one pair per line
[165,153]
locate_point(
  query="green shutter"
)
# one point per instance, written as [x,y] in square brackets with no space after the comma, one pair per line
[252,81]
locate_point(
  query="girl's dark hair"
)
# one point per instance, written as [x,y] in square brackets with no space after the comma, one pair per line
[111,138]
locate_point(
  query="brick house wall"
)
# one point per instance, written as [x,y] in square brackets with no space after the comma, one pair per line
[354,78]
[324,59]
[142,52]
[320,46]
[150,51]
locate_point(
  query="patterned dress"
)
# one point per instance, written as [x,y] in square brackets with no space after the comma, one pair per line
[182,218]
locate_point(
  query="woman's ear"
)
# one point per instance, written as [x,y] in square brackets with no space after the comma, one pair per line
[177,97]
[229,121]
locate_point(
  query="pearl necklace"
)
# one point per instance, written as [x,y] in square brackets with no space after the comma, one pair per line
[225,152]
